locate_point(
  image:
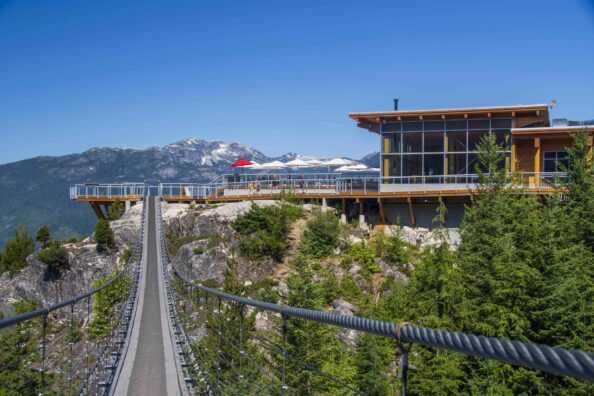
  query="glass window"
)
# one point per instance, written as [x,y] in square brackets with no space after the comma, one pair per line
[456,141]
[502,139]
[392,127]
[433,126]
[503,123]
[433,164]
[452,125]
[456,164]
[473,162]
[479,124]
[393,164]
[474,137]
[412,142]
[433,142]
[391,143]
[412,164]
[412,126]
[556,161]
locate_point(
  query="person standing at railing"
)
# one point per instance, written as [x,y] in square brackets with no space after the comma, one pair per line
[252,188]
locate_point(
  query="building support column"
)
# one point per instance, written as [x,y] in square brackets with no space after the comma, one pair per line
[343,216]
[381,210]
[411,212]
[127,205]
[324,205]
[362,224]
[537,162]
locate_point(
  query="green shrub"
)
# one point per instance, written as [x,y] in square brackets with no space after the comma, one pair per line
[199,250]
[54,255]
[126,256]
[43,236]
[115,210]
[321,235]
[16,250]
[362,255]
[264,231]
[104,236]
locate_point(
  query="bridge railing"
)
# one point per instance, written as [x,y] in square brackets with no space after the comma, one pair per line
[203,307]
[75,345]
[107,191]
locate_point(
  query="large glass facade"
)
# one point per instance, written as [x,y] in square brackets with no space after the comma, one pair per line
[418,151]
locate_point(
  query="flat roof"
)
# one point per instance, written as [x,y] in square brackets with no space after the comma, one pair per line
[464,110]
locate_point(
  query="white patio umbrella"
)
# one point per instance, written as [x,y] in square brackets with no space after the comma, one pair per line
[298,163]
[273,165]
[314,162]
[352,168]
[338,162]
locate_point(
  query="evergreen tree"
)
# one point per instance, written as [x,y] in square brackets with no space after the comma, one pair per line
[43,236]
[580,186]
[16,251]
[104,236]
[371,367]
[115,210]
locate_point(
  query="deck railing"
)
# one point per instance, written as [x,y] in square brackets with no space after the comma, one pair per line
[309,184]
[109,191]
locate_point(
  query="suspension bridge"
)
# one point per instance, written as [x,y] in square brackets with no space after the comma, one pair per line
[141,343]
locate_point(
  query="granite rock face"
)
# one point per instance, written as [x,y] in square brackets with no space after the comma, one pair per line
[217,241]
[37,282]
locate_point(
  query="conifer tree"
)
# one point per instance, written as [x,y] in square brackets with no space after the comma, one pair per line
[104,236]
[16,251]
[43,236]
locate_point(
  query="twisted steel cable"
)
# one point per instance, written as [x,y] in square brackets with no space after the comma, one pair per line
[571,362]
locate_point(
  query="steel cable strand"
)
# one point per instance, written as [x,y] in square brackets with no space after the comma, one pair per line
[578,364]
[234,369]
[308,366]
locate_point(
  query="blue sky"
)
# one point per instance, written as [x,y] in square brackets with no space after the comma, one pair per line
[279,76]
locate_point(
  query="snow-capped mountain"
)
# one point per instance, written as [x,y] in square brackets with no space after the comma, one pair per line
[35,191]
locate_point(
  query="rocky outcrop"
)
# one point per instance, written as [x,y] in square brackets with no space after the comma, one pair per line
[218,242]
[425,237]
[127,229]
[38,282]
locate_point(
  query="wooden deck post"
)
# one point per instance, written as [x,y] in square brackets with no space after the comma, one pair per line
[381,210]
[97,209]
[411,212]
[537,162]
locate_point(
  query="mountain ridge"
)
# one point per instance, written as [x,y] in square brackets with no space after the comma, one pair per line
[34,190]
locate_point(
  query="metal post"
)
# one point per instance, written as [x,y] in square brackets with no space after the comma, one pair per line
[241,352]
[404,370]
[70,345]
[43,341]
[284,329]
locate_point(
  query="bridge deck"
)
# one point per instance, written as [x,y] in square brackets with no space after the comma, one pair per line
[151,367]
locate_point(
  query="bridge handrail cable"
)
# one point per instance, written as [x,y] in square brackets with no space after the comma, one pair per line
[575,363]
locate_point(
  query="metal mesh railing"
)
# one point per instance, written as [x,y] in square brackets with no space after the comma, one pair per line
[77,343]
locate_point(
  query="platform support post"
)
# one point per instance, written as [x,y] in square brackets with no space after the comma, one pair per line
[411,212]
[362,224]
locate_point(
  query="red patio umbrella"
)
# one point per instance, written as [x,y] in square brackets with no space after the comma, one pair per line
[241,162]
